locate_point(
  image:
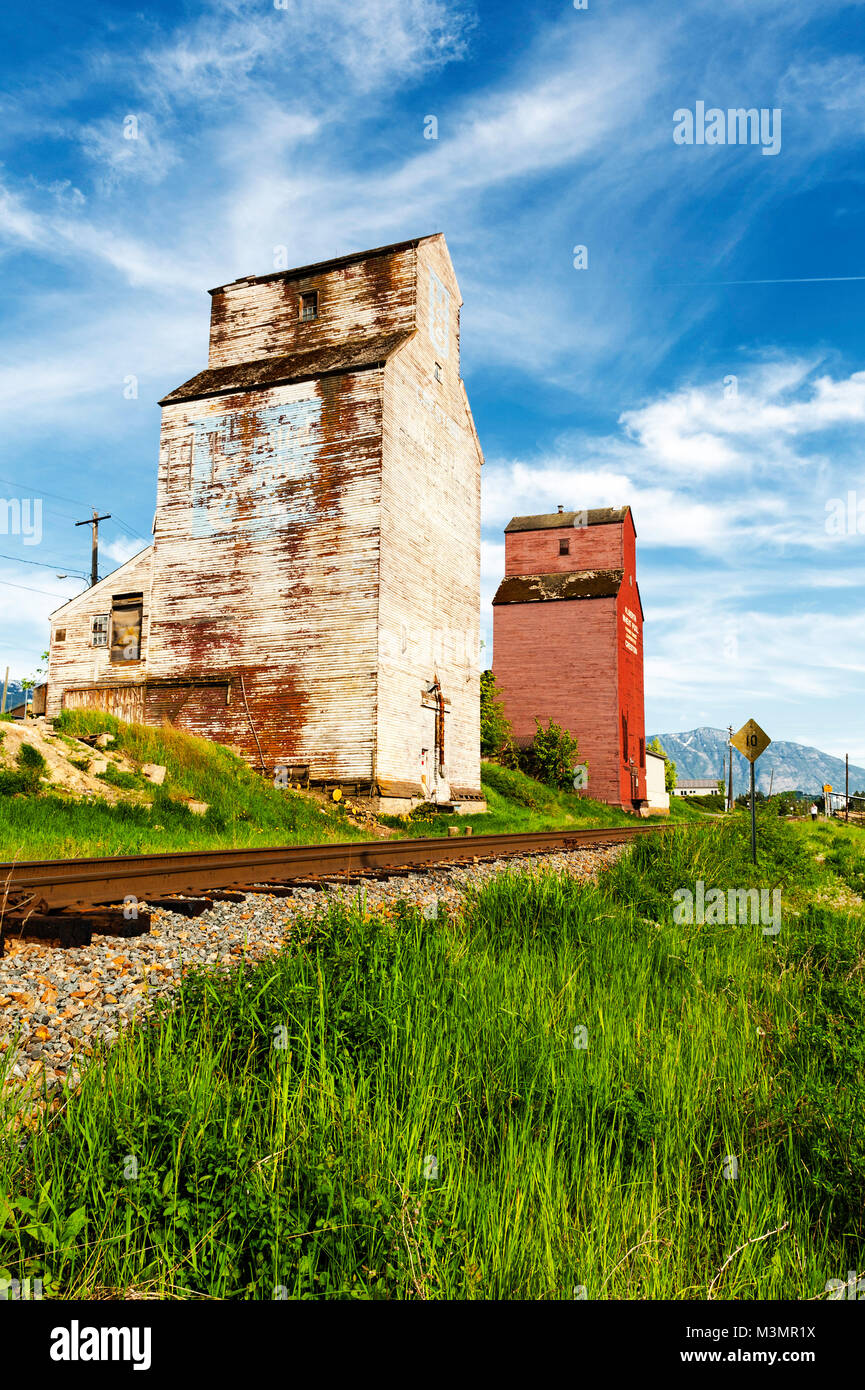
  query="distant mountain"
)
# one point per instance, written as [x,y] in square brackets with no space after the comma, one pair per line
[14,694]
[701,753]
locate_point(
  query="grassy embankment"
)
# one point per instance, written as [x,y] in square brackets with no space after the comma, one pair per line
[395,1106]
[243,808]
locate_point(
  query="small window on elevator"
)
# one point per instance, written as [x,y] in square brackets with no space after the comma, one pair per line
[309,306]
[126,615]
[564,546]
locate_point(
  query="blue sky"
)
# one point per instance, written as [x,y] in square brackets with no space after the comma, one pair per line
[303,127]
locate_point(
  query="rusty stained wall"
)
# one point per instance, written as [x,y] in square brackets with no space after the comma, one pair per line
[319,539]
[266,566]
[429,617]
[362,300]
[74,662]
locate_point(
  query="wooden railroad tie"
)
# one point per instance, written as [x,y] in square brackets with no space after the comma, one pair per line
[74,928]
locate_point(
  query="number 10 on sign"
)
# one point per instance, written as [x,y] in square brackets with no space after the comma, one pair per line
[751,741]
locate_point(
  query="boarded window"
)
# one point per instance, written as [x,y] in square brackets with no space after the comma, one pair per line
[625,737]
[99,629]
[179,474]
[564,547]
[126,615]
[642,752]
[59,634]
[309,306]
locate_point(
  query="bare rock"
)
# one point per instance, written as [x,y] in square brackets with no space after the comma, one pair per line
[154,772]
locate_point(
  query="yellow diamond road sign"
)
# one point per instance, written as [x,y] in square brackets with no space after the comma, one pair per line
[751,740]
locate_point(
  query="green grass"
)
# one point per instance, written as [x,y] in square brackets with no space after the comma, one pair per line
[843,848]
[245,809]
[284,1118]
[519,803]
[24,779]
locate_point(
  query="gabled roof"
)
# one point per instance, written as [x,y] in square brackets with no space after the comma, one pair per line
[548,521]
[106,584]
[539,588]
[293,366]
[334,264]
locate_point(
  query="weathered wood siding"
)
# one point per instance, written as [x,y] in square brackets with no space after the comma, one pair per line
[266,569]
[74,662]
[429,613]
[316,561]
[370,296]
[123,701]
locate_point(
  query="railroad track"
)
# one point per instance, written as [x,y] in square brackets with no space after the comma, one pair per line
[70,898]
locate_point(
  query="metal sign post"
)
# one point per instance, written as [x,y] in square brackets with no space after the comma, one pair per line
[751,741]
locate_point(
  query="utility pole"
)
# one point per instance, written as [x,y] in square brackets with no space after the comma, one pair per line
[847,786]
[5,688]
[94,521]
[730,783]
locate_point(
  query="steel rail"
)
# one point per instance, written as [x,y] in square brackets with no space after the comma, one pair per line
[53,884]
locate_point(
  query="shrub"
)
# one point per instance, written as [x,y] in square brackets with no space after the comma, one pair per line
[496,732]
[30,759]
[31,766]
[552,755]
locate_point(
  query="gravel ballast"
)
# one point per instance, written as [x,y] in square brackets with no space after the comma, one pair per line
[63,1001]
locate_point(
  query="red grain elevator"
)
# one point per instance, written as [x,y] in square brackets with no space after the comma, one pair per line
[568,642]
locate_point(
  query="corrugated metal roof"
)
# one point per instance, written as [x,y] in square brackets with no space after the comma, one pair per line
[333,264]
[294,366]
[538,588]
[600,516]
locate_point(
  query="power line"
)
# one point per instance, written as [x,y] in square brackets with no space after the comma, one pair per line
[7,583]
[76,502]
[136,534]
[46,564]
[59,497]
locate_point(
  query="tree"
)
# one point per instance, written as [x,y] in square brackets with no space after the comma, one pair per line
[553,754]
[669,765]
[496,733]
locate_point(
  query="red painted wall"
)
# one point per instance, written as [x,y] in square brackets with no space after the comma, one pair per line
[573,660]
[537,552]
